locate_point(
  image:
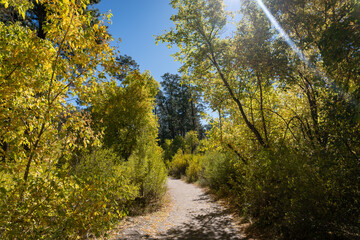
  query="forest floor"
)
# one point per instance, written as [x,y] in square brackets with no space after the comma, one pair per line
[188,213]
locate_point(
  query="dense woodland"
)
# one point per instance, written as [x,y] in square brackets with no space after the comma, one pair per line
[87,138]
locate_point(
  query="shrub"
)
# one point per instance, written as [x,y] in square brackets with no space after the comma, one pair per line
[147,171]
[194,170]
[179,164]
[173,146]
[191,142]
[188,165]
[222,172]
[291,194]
[56,205]
[288,194]
[103,170]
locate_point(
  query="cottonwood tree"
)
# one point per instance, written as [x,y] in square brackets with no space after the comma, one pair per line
[292,117]
[38,76]
[125,113]
[198,26]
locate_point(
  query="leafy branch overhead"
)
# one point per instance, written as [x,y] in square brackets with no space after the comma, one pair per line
[283,123]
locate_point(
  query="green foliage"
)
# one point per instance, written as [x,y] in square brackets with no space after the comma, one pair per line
[179,164]
[285,147]
[38,75]
[286,143]
[147,171]
[171,147]
[218,171]
[191,142]
[55,183]
[283,191]
[188,144]
[103,169]
[124,112]
[54,205]
[178,108]
[166,146]
[187,165]
[194,170]
[294,196]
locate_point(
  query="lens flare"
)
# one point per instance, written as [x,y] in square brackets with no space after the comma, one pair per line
[286,37]
[293,46]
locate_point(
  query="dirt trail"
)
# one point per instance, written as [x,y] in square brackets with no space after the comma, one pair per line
[191,215]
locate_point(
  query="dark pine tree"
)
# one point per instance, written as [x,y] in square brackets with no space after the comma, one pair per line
[178,108]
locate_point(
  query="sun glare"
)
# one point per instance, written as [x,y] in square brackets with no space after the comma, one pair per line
[288,40]
[235,5]
[282,32]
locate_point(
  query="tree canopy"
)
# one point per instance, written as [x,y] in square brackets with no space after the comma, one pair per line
[86,137]
[67,124]
[284,115]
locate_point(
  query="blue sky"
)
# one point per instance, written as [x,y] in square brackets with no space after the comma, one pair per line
[136,22]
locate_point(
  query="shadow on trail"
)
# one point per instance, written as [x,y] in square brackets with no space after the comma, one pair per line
[205,197]
[211,224]
[195,215]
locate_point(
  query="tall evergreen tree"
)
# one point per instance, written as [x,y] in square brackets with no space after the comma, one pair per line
[178,108]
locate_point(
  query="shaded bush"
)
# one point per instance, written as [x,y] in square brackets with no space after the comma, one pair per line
[171,147]
[296,198]
[191,142]
[222,173]
[104,170]
[283,192]
[291,195]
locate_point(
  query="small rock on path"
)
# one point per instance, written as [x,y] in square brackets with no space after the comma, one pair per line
[192,215]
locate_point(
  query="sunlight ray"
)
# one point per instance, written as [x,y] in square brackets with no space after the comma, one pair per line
[286,37]
[291,44]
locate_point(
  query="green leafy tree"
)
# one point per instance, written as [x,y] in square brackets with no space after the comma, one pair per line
[198,25]
[283,114]
[39,124]
[35,17]
[191,142]
[34,90]
[124,113]
[127,64]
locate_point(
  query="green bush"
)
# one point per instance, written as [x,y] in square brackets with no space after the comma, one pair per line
[281,193]
[290,194]
[147,171]
[187,165]
[191,142]
[55,205]
[178,164]
[103,170]
[223,173]
[194,170]
[171,147]
[297,198]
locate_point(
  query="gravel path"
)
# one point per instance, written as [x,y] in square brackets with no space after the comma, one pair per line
[190,215]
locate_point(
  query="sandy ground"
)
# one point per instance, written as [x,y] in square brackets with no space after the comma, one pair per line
[189,214]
